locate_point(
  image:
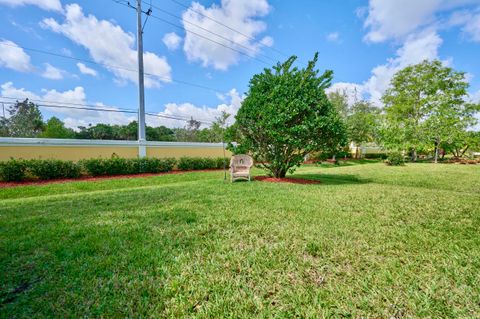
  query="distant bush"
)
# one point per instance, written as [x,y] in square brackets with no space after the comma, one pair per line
[13,170]
[395,159]
[198,163]
[51,169]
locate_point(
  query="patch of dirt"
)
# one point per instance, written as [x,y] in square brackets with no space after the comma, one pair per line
[286,180]
[96,178]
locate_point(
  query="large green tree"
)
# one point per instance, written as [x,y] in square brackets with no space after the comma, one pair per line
[25,120]
[287,115]
[55,128]
[426,106]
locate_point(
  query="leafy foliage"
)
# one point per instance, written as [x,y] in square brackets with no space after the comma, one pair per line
[363,123]
[51,169]
[287,115]
[124,166]
[55,128]
[395,159]
[197,163]
[425,108]
[13,170]
[25,120]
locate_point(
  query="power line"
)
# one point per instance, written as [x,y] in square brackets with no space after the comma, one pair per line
[68,103]
[211,32]
[202,36]
[90,107]
[226,26]
[201,86]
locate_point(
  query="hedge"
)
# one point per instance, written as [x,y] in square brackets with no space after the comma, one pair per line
[197,163]
[51,169]
[125,166]
[19,170]
[13,170]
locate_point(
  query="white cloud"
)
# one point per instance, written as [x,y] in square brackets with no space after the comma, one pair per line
[52,73]
[109,44]
[52,5]
[417,47]
[231,103]
[71,117]
[172,40]
[475,97]
[239,15]
[416,25]
[397,19]
[13,57]
[353,91]
[86,70]
[470,22]
[333,37]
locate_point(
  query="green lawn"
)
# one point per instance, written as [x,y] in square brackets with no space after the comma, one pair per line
[370,240]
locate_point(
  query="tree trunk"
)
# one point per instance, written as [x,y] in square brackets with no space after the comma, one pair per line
[280,173]
[436,151]
[465,150]
[414,155]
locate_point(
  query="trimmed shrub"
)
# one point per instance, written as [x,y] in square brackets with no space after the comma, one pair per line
[395,159]
[198,163]
[13,170]
[125,166]
[51,169]
[220,161]
[155,165]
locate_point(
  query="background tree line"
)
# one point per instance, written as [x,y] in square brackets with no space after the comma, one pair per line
[426,111]
[26,120]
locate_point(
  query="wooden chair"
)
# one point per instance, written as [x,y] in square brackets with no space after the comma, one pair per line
[240,167]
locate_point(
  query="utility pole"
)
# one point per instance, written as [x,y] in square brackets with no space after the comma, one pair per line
[142,150]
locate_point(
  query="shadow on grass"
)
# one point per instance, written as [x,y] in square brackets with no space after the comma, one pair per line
[333,179]
[342,163]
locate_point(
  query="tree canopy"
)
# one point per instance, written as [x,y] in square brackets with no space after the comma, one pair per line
[287,115]
[426,107]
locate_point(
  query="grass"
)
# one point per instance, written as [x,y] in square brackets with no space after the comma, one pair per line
[369,241]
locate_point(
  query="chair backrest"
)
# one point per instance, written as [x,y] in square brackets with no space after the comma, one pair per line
[241,160]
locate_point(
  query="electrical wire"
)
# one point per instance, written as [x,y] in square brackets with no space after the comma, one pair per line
[201,86]
[214,33]
[89,107]
[201,36]
[226,26]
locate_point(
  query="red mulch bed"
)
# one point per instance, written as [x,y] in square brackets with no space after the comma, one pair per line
[286,180]
[96,178]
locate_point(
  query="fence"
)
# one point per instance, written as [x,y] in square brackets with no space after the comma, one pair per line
[73,149]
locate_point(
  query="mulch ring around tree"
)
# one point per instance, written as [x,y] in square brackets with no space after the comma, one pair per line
[95,178]
[286,180]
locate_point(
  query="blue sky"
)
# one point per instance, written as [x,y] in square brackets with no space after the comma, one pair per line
[363,42]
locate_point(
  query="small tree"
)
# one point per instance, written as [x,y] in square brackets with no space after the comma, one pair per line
[25,120]
[55,128]
[339,99]
[363,123]
[287,115]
